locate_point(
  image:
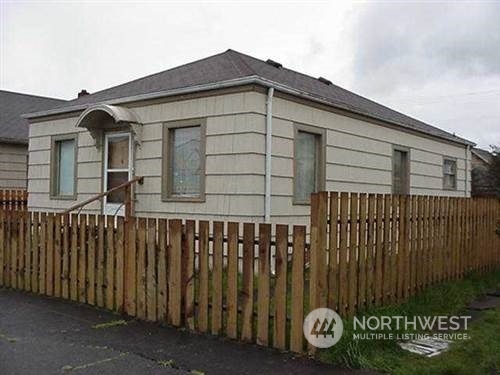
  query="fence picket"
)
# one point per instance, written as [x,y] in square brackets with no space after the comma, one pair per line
[162,271]
[13,249]
[280,289]
[36,253]
[386,252]
[151,291]
[43,253]
[263,284]
[217,256]
[189,260]
[175,272]
[91,262]
[28,252]
[119,264]
[333,264]
[21,251]
[204,276]
[232,280]
[379,255]
[343,285]
[3,249]
[353,261]
[131,282]
[101,259]
[82,260]
[297,292]
[247,287]
[57,255]
[362,252]
[141,269]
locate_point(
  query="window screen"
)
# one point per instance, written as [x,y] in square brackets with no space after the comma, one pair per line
[450,174]
[65,167]
[306,165]
[185,161]
[400,172]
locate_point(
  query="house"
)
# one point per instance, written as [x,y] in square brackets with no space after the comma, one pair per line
[14,135]
[232,137]
[483,184]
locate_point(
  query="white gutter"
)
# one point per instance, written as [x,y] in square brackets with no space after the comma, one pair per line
[269,145]
[148,96]
[231,83]
[467,152]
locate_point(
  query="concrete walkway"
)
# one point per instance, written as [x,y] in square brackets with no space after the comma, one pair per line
[39,335]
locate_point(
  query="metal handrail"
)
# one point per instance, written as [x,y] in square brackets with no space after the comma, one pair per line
[79,206]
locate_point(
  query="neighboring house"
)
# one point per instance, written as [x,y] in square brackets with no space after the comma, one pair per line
[14,135]
[231,137]
[482,182]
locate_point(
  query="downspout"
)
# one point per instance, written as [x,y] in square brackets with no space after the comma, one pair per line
[269,142]
[467,152]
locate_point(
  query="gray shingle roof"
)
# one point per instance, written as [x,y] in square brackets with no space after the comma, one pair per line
[14,128]
[232,65]
[485,155]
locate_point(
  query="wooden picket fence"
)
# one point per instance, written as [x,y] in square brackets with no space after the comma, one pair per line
[382,249]
[252,282]
[11,199]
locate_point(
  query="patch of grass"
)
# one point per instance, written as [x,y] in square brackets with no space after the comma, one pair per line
[113,323]
[9,339]
[167,363]
[197,372]
[477,355]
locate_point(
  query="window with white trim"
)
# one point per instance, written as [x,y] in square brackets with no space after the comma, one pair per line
[450,174]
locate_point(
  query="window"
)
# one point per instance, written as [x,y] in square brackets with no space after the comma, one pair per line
[184,160]
[400,171]
[117,165]
[309,163]
[63,168]
[449,174]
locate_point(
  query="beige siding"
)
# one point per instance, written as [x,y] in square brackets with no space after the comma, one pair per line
[13,166]
[235,149]
[358,158]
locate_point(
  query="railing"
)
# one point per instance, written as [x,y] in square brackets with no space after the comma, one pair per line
[128,197]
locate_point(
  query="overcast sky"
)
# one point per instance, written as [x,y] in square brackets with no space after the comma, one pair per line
[438,62]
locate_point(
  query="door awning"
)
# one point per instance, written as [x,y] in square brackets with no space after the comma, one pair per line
[93,116]
[100,117]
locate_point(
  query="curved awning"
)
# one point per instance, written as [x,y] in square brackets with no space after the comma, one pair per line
[100,117]
[92,117]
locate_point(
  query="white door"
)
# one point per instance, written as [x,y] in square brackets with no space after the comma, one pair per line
[117,170]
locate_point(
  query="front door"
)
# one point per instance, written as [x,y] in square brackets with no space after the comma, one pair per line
[117,170]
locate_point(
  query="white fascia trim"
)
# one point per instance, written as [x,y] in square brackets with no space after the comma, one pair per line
[225,84]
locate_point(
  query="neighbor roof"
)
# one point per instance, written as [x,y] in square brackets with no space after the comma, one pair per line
[14,128]
[484,155]
[235,66]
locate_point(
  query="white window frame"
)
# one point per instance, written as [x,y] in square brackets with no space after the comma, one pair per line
[454,160]
[115,208]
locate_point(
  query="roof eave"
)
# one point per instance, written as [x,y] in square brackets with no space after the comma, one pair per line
[15,141]
[148,96]
[254,79]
